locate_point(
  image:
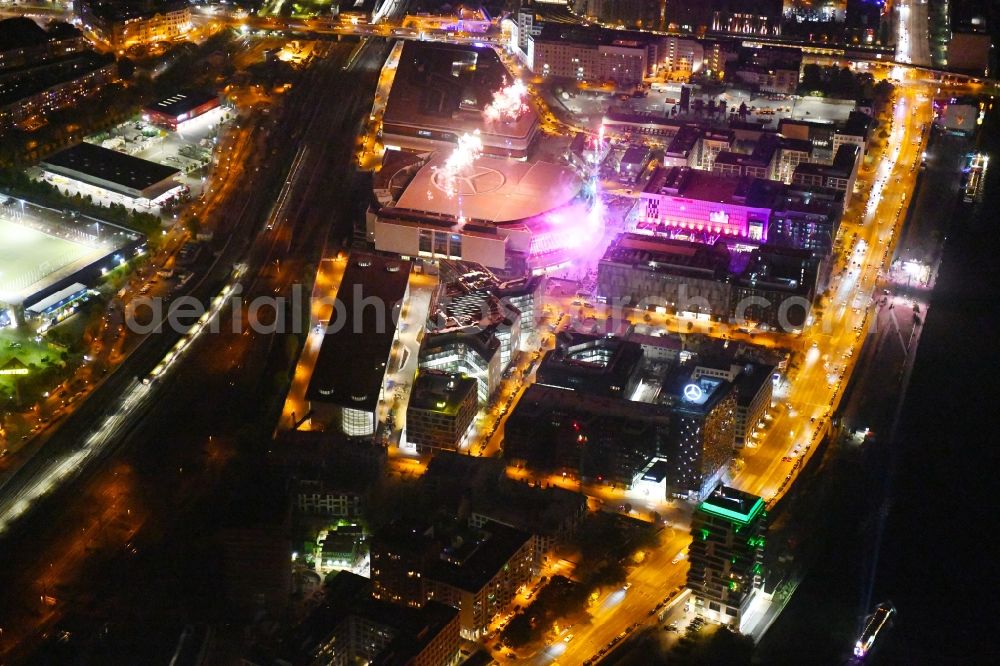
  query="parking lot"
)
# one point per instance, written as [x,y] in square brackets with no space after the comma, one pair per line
[589,106]
[188,149]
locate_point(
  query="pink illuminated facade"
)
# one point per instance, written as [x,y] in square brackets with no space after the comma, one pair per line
[501,213]
[679,202]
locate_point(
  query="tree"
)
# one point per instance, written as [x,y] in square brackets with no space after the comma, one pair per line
[812,78]
[846,84]
[126,68]
[518,631]
[882,92]
[193,225]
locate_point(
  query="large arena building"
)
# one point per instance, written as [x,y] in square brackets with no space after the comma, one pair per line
[501,213]
[442,91]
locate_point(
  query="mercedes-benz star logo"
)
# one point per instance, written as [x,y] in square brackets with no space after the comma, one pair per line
[474,180]
[692,393]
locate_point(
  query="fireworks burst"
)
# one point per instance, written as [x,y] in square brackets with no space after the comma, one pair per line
[468,150]
[508,103]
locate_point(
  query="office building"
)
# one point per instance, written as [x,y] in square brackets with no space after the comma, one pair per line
[712,143]
[525,295]
[457,306]
[596,54]
[441,411]
[827,137]
[767,286]
[469,350]
[702,430]
[726,555]
[463,283]
[838,176]
[682,151]
[633,163]
[807,218]
[474,333]
[349,376]
[762,162]
[793,152]
[857,131]
[597,365]
[605,440]
[819,133]
[776,287]
[566,432]
[680,276]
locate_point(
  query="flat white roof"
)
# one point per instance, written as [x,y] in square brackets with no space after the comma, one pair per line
[52,299]
[491,189]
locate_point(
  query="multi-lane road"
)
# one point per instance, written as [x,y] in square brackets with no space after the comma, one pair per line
[912,34]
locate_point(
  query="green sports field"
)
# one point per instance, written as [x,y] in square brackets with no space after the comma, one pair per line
[27,256]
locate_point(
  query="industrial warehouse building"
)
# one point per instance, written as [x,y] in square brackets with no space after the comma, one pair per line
[179,107]
[133,178]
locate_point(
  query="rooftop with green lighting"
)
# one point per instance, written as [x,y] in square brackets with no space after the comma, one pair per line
[441,392]
[733,504]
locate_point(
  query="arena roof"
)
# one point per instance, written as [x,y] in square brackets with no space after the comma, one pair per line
[492,190]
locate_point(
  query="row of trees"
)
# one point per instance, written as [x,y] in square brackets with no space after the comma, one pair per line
[841,82]
[16,182]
